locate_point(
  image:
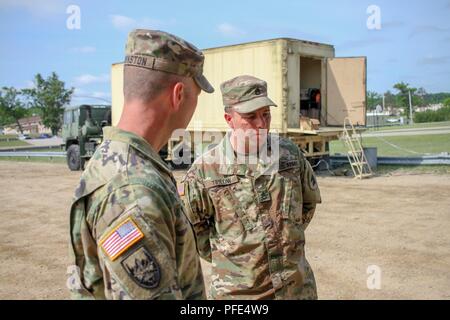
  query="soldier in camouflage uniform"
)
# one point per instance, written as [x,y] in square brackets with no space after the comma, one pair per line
[250,221]
[130,238]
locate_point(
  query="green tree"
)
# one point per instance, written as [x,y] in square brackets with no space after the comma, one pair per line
[33,111]
[435,98]
[402,97]
[50,96]
[389,99]
[373,99]
[447,102]
[442,114]
[420,95]
[12,108]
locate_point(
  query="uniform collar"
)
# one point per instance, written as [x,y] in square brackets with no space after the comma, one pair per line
[229,162]
[137,142]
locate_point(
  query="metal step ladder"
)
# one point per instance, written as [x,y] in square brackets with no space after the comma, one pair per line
[356,157]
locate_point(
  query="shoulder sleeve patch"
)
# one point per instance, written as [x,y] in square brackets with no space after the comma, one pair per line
[119,239]
[143,268]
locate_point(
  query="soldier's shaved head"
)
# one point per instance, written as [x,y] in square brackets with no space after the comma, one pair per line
[145,85]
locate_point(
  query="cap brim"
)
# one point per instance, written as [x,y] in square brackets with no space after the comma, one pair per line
[204,84]
[253,104]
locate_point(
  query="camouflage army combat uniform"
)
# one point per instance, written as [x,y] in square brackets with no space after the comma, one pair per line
[250,224]
[130,238]
[133,194]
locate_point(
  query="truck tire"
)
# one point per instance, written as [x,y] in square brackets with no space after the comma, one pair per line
[74,161]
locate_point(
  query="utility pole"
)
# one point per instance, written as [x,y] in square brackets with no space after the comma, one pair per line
[410,109]
[383,104]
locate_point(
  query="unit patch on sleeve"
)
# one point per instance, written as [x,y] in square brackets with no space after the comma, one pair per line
[143,268]
[121,238]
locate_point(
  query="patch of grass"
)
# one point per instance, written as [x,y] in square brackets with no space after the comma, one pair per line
[13,143]
[432,169]
[398,146]
[383,170]
[34,159]
[6,136]
[413,126]
[55,149]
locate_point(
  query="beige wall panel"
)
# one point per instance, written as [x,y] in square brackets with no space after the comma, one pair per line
[293,83]
[346,90]
[262,60]
[116,92]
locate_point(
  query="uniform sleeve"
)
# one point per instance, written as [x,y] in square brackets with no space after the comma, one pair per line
[199,211]
[85,276]
[136,245]
[311,192]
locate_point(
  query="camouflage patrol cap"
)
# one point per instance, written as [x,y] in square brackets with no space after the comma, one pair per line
[245,94]
[162,51]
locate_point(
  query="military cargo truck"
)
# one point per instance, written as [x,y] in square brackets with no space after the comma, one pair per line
[82,132]
[314,90]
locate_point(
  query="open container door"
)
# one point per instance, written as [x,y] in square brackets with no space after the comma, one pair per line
[346,90]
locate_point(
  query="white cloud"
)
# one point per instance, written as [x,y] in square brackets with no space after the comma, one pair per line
[101,94]
[392,60]
[431,60]
[29,84]
[81,96]
[38,8]
[127,23]
[427,30]
[273,31]
[122,22]
[392,24]
[85,49]
[86,79]
[362,43]
[79,91]
[228,30]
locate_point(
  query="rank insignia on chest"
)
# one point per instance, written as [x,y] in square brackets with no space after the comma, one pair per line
[263,195]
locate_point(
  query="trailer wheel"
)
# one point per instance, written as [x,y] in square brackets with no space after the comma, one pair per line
[74,161]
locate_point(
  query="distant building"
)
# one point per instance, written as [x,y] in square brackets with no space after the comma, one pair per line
[432,107]
[392,111]
[30,125]
[374,113]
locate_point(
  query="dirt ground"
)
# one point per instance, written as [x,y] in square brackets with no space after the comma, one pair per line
[401,224]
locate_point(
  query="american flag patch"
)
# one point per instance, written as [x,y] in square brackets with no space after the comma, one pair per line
[121,238]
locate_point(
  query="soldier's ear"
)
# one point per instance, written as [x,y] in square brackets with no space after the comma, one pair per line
[177,96]
[229,119]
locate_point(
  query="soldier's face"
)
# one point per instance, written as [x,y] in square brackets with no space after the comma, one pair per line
[259,119]
[253,126]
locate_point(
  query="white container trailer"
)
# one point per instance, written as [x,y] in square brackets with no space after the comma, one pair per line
[294,69]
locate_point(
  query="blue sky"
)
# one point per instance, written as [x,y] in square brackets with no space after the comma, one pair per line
[413,44]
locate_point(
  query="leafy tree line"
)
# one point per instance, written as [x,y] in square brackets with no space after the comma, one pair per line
[400,98]
[47,98]
[442,114]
